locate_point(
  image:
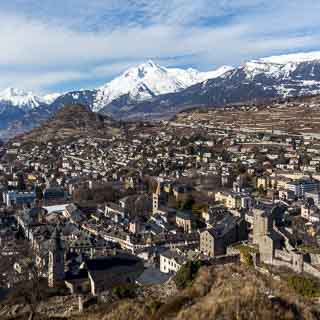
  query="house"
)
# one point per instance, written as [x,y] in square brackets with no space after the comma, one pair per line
[310,212]
[171,261]
[185,220]
[115,211]
[182,192]
[214,241]
[231,200]
[285,194]
[263,182]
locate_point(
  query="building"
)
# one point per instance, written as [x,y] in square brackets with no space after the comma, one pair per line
[264,235]
[171,261]
[160,196]
[12,198]
[214,241]
[182,192]
[56,260]
[302,186]
[229,199]
[107,272]
[314,195]
[310,212]
[185,220]
[54,195]
[263,182]
[115,211]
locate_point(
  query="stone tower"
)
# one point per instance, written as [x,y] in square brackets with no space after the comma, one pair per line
[56,259]
[262,225]
[155,199]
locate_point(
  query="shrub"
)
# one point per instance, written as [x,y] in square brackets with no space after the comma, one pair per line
[124,291]
[304,286]
[173,306]
[187,274]
[154,306]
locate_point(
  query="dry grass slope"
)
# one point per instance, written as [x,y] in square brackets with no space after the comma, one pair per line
[233,292]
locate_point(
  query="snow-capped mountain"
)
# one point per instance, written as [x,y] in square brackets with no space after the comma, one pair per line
[20,99]
[272,77]
[21,110]
[149,80]
[50,98]
[283,66]
[152,90]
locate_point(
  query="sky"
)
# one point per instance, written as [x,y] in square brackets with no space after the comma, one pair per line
[61,45]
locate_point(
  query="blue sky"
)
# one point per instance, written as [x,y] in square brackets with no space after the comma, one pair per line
[60,45]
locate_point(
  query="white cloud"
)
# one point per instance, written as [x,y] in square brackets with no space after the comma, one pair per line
[123,33]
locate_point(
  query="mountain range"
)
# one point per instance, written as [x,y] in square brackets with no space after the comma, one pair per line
[153,91]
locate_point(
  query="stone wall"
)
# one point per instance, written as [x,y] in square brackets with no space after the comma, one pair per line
[311,270]
[283,255]
[314,258]
[226,259]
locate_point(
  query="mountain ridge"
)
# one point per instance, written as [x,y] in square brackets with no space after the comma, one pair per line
[150,90]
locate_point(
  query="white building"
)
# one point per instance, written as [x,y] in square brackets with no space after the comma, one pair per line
[171,261]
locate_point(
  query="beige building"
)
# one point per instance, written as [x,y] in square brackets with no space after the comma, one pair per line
[185,220]
[214,241]
[229,199]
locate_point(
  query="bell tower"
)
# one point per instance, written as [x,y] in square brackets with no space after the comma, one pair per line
[56,259]
[155,198]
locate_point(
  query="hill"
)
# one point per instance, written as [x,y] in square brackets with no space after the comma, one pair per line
[222,292]
[153,91]
[299,115]
[71,122]
[232,292]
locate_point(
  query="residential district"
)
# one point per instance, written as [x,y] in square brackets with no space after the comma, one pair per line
[134,207]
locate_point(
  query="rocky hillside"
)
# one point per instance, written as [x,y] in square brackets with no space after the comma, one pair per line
[224,293]
[233,292]
[71,122]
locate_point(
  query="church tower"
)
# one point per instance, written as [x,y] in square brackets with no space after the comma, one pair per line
[155,199]
[56,259]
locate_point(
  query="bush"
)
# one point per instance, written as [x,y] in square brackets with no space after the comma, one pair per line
[246,254]
[172,307]
[247,258]
[124,292]
[154,306]
[304,286]
[187,274]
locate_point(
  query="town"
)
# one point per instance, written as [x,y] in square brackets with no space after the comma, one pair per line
[94,212]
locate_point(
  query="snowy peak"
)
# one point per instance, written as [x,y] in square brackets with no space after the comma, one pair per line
[280,67]
[21,99]
[292,58]
[50,98]
[25,100]
[149,79]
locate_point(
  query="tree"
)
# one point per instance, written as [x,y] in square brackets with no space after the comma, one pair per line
[187,204]
[187,273]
